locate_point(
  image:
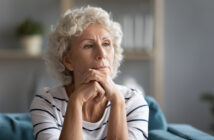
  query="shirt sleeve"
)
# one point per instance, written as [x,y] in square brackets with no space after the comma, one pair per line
[137,116]
[44,118]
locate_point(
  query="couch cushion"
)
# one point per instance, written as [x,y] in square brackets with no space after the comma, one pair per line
[189,132]
[156,117]
[16,127]
[163,135]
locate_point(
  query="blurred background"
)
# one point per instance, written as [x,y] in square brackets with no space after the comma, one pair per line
[168,50]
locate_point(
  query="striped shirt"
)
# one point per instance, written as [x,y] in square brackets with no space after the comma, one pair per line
[49,106]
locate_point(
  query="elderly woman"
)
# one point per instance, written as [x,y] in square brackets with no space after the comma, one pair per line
[84,53]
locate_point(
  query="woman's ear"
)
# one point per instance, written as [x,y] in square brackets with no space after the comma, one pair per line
[66,60]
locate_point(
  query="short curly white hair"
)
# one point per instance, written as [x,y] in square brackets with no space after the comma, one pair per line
[72,24]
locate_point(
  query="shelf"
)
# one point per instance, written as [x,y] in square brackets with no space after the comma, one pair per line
[128,55]
[17,54]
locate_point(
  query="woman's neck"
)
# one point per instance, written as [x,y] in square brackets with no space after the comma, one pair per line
[93,112]
[69,89]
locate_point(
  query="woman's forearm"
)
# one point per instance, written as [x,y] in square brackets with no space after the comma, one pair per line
[72,126]
[117,125]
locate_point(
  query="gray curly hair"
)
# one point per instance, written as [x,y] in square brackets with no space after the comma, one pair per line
[72,24]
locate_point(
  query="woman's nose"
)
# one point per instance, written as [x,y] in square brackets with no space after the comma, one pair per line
[101,53]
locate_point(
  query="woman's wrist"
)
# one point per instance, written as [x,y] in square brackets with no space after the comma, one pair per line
[76,100]
[117,99]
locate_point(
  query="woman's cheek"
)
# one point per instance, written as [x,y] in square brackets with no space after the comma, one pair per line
[111,69]
[111,72]
[81,70]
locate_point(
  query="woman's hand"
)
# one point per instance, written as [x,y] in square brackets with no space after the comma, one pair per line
[88,91]
[105,80]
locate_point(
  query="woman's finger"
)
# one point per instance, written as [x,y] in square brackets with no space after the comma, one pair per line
[95,75]
[95,90]
[100,92]
[99,97]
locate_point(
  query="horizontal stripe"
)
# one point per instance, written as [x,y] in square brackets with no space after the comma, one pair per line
[96,128]
[43,111]
[135,109]
[45,129]
[48,102]
[61,99]
[133,89]
[43,98]
[127,98]
[124,98]
[39,124]
[105,123]
[141,132]
[137,120]
[91,129]
[44,123]
[108,105]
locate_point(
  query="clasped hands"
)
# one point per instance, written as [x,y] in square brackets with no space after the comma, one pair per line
[96,84]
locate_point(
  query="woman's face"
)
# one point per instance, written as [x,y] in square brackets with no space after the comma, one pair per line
[93,49]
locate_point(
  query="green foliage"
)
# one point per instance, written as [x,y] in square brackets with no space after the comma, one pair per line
[209,97]
[29,27]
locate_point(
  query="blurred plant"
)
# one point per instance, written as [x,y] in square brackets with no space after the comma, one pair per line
[209,97]
[29,27]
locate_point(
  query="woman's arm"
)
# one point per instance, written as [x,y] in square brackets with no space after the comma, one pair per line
[72,126]
[117,125]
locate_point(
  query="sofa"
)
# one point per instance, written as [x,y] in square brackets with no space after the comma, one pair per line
[18,126]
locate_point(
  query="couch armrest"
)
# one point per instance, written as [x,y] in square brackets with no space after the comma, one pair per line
[16,126]
[188,132]
[163,135]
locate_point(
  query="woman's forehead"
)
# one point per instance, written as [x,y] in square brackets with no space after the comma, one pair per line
[94,33]
[95,29]
[95,36]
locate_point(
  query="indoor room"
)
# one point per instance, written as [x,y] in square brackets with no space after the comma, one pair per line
[165,54]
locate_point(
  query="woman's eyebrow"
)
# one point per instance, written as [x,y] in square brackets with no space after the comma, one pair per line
[104,38]
[86,39]
[91,39]
[107,37]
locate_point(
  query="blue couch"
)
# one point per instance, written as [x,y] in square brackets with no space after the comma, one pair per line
[18,127]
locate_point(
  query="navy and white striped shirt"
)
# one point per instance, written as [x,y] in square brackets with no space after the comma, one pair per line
[49,106]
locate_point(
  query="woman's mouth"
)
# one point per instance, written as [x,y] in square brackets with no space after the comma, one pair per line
[101,68]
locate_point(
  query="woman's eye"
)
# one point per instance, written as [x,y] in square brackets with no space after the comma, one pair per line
[106,44]
[87,46]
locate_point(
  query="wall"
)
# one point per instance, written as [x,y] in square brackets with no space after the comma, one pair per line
[20,79]
[189,62]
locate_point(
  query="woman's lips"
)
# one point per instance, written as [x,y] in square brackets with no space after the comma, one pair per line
[100,68]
